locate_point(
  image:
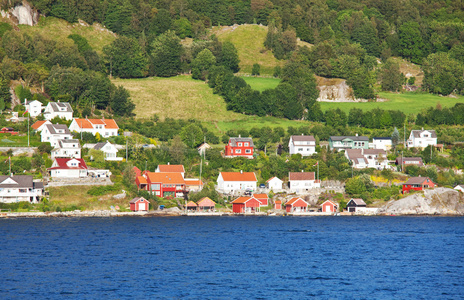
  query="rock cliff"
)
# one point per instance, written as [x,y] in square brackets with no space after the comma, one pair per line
[439,201]
[22,14]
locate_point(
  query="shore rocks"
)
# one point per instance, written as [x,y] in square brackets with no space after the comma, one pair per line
[439,201]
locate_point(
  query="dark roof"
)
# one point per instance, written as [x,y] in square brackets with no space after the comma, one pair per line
[356,156]
[57,106]
[235,140]
[417,180]
[18,181]
[38,185]
[68,141]
[374,152]
[405,160]
[416,133]
[100,145]
[301,176]
[54,127]
[303,138]
[382,138]
[354,138]
[358,201]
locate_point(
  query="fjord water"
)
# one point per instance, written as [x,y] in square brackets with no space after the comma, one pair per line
[232,258]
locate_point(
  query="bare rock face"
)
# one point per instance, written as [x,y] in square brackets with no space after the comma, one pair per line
[335,90]
[24,14]
[439,201]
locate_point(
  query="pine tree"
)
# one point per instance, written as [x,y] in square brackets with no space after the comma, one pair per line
[395,137]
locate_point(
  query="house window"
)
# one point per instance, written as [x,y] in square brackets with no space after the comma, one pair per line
[238,151]
[300,149]
[246,144]
[248,151]
[240,144]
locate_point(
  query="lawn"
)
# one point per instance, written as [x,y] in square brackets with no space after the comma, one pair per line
[20,140]
[408,103]
[249,41]
[261,83]
[59,30]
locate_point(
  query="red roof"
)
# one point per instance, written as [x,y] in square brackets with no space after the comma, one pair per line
[37,124]
[137,171]
[243,200]
[238,176]
[206,202]
[193,182]
[62,164]
[329,202]
[171,168]
[166,178]
[141,180]
[295,202]
[87,123]
[260,196]
[301,176]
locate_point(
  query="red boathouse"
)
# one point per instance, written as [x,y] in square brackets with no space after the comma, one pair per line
[296,205]
[243,205]
[139,204]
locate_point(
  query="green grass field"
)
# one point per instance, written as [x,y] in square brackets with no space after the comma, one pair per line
[58,30]
[249,41]
[260,83]
[8,140]
[408,103]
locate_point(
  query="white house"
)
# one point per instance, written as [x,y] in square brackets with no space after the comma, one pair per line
[20,188]
[40,125]
[67,149]
[202,148]
[52,133]
[422,138]
[274,184]
[230,182]
[68,168]
[59,109]
[109,151]
[367,158]
[302,144]
[384,143]
[105,127]
[34,107]
[459,187]
[300,182]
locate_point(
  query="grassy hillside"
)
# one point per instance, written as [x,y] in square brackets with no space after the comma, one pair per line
[58,29]
[260,83]
[249,41]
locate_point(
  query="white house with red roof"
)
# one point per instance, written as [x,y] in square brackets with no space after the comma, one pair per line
[301,182]
[105,127]
[68,168]
[170,169]
[230,182]
[274,184]
[40,125]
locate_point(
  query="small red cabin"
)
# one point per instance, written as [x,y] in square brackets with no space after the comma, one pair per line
[245,205]
[263,198]
[329,207]
[417,184]
[278,204]
[296,205]
[206,204]
[139,204]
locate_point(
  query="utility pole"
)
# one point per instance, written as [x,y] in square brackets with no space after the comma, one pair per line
[402,162]
[126,148]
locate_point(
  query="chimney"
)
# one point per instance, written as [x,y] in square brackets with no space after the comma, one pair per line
[239,136]
[356,134]
[301,171]
[168,163]
[422,128]
[241,171]
[58,101]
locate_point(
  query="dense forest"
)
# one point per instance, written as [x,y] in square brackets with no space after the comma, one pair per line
[350,39]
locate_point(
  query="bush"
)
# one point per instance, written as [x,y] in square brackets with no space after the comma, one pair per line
[102,190]
[255,71]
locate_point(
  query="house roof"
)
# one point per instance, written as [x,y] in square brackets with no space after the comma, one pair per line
[294,200]
[171,168]
[62,164]
[204,146]
[356,156]
[374,152]
[303,138]
[235,140]
[272,179]
[99,146]
[63,143]
[238,176]
[260,196]
[193,181]
[142,180]
[417,180]
[333,203]
[191,204]
[382,138]
[16,181]
[205,201]
[88,123]
[37,124]
[53,128]
[165,178]
[38,185]
[406,159]
[136,199]
[57,106]
[241,200]
[416,133]
[137,171]
[278,202]
[358,201]
[301,176]
[354,138]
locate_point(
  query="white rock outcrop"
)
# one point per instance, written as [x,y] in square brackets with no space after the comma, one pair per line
[25,14]
[439,201]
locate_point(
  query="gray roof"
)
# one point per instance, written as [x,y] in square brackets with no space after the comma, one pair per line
[356,156]
[358,201]
[58,106]
[22,181]
[54,127]
[354,138]
[235,140]
[417,180]
[382,138]
[100,145]
[375,152]
[38,185]
[62,142]
[137,199]
[303,138]
[416,133]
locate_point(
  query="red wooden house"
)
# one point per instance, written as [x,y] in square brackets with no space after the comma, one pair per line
[245,205]
[164,184]
[239,147]
[206,204]
[263,198]
[278,204]
[139,204]
[296,205]
[329,206]
[417,184]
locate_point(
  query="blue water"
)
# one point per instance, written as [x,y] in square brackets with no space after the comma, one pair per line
[232,258]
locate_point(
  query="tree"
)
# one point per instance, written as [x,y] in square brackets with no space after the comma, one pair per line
[166,54]
[177,150]
[97,155]
[355,186]
[201,64]
[125,59]
[229,58]
[5,95]
[411,44]
[442,74]
[255,70]
[391,78]
[395,137]
[183,28]
[121,103]
[192,135]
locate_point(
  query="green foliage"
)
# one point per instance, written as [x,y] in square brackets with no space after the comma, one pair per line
[395,137]
[229,58]
[411,45]
[166,54]
[201,64]
[255,70]
[125,58]
[355,187]
[103,189]
[391,78]
[442,74]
